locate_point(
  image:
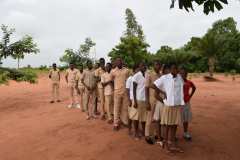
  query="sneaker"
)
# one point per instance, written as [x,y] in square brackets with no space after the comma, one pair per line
[78,106]
[187,136]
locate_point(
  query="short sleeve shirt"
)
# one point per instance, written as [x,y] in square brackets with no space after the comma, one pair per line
[120,77]
[150,78]
[54,75]
[106,77]
[89,78]
[129,85]
[140,80]
[98,73]
[173,88]
[72,74]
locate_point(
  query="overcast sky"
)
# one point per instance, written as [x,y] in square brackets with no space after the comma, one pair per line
[59,24]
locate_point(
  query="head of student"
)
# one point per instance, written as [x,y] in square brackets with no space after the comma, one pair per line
[54,65]
[157,66]
[81,68]
[135,68]
[174,69]
[142,67]
[102,62]
[119,62]
[183,73]
[71,65]
[89,64]
[165,69]
[108,67]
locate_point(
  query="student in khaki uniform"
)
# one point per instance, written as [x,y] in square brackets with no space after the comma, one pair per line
[151,76]
[54,75]
[90,83]
[98,73]
[70,77]
[139,97]
[80,87]
[107,83]
[120,75]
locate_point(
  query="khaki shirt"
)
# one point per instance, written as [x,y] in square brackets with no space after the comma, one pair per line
[89,78]
[120,77]
[54,75]
[79,79]
[106,77]
[71,75]
[151,77]
[98,73]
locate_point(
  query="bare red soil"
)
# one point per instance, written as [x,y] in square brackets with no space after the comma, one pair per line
[33,129]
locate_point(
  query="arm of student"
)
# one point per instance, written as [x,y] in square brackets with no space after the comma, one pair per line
[59,75]
[193,90]
[135,94]
[66,77]
[147,90]
[50,74]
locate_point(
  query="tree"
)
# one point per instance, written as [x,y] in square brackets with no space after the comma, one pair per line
[208,5]
[80,56]
[132,47]
[17,49]
[213,43]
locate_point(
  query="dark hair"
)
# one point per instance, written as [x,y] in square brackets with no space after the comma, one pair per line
[89,61]
[101,59]
[135,66]
[173,64]
[110,64]
[54,64]
[157,62]
[166,66]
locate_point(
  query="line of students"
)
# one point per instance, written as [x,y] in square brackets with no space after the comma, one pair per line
[153,102]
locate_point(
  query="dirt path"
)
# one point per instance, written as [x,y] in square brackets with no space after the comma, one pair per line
[33,129]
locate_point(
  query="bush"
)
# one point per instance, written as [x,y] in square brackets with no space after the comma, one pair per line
[17,75]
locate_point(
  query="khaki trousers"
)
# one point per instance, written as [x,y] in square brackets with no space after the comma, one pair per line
[89,102]
[73,93]
[150,128]
[55,91]
[120,109]
[101,98]
[108,99]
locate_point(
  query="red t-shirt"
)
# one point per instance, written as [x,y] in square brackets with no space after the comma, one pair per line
[186,87]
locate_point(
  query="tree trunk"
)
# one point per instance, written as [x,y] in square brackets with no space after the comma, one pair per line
[211,65]
[18,61]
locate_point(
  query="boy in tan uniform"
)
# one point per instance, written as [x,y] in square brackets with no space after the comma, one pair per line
[80,87]
[54,75]
[151,101]
[98,73]
[107,83]
[70,77]
[90,83]
[120,75]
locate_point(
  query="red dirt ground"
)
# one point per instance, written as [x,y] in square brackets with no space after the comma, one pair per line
[33,129]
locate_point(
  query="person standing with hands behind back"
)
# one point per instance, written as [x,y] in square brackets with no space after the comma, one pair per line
[54,75]
[186,112]
[70,77]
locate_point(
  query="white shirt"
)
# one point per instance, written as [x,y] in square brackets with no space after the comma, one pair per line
[140,80]
[129,85]
[173,87]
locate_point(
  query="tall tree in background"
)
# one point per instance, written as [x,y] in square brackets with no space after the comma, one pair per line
[79,56]
[132,47]
[18,49]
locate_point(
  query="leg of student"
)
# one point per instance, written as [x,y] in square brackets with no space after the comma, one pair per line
[117,106]
[124,110]
[57,91]
[101,96]
[53,92]
[108,103]
[86,103]
[93,98]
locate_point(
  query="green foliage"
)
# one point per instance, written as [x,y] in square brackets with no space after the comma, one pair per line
[132,47]
[80,56]
[18,75]
[208,5]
